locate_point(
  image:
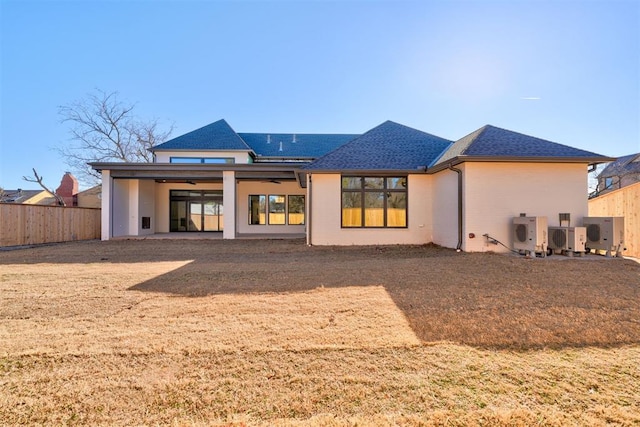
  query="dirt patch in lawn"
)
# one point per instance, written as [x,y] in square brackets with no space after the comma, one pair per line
[276,332]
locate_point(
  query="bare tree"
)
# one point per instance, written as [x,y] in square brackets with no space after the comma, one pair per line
[40,181]
[104,129]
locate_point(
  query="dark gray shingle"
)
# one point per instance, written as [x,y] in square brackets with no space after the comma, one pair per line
[215,136]
[389,146]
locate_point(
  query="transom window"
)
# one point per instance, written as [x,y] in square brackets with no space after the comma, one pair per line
[370,201]
[214,160]
[276,209]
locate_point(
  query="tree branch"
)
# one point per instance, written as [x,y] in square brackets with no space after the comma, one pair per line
[39,180]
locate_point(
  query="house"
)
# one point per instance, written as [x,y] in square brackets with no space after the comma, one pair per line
[390,185]
[622,172]
[27,197]
[67,191]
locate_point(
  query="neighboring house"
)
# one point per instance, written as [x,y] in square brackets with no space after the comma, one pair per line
[89,198]
[622,172]
[28,197]
[390,185]
[67,190]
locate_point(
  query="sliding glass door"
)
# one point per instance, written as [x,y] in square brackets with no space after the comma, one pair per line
[196,210]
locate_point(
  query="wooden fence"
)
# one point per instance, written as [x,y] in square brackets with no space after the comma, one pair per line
[34,224]
[623,202]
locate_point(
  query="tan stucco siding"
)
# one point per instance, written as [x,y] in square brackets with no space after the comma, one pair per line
[120,209]
[445,209]
[496,192]
[239,156]
[247,188]
[326,215]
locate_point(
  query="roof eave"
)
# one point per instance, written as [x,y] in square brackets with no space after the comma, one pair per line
[516,159]
[240,150]
[418,170]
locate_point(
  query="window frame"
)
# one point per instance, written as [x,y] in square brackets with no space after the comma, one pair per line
[201,160]
[369,185]
[264,207]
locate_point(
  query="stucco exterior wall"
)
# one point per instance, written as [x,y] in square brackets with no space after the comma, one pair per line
[247,188]
[146,206]
[239,156]
[445,209]
[496,192]
[326,215]
[162,205]
[120,207]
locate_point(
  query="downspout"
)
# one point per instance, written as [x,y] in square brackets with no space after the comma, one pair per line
[309,207]
[459,172]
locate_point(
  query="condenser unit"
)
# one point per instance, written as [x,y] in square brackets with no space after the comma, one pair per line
[605,233]
[530,234]
[568,239]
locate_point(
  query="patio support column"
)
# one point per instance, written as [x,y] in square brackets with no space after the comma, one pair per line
[229,203]
[105,232]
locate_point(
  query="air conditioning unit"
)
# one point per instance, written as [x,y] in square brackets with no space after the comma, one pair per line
[605,233]
[568,239]
[530,234]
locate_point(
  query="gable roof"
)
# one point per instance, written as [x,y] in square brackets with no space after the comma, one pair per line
[294,145]
[493,143]
[622,166]
[215,136]
[389,146]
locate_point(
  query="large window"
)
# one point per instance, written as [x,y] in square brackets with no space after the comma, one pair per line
[295,210]
[276,209]
[374,201]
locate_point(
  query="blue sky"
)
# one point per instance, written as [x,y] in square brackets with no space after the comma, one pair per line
[444,67]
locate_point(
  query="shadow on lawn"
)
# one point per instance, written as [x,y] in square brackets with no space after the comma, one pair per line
[482,300]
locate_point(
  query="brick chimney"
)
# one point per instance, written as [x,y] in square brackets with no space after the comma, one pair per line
[68,189]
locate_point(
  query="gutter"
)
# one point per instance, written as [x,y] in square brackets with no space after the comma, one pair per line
[309,207]
[459,172]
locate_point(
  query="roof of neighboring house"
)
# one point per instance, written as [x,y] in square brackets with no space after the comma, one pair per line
[29,197]
[20,196]
[215,136]
[622,166]
[389,146]
[298,145]
[496,143]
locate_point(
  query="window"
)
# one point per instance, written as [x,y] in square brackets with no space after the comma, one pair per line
[374,202]
[608,182]
[216,160]
[276,209]
[257,210]
[295,210]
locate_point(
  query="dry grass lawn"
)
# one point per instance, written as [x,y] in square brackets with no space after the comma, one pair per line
[208,332]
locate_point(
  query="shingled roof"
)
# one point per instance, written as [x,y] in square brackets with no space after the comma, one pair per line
[215,136]
[288,145]
[501,144]
[622,166]
[389,146]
